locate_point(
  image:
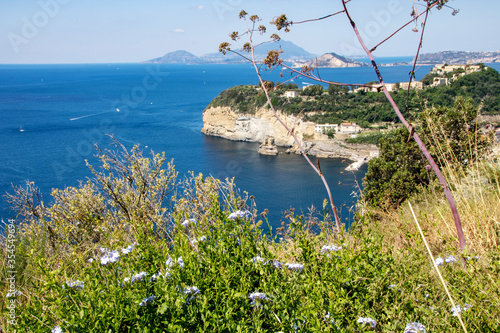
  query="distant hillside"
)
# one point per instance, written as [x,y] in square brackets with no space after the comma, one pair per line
[458,57]
[330,60]
[176,57]
[291,53]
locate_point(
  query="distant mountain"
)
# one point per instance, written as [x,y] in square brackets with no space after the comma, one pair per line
[330,60]
[291,53]
[176,57]
[458,57]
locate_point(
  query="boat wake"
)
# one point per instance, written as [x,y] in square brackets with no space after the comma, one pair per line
[89,115]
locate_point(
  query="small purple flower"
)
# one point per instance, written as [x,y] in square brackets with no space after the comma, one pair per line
[256,296]
[330,248]
[295,267]
[458,309]
[241,214]
[147,300]
[75,284]
[450,259]
[56,329]
[439,261]
[414,328]
[128,249]
[191,290]
[367,320]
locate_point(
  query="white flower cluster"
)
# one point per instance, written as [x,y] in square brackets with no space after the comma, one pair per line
[276,264]
[241,214]
[330,248]
[414,328]
[109,257]
[56,329]
[449,260]
[367,320]
[256,296]
[137,277]
[75,284]
[186,223]
[295,267]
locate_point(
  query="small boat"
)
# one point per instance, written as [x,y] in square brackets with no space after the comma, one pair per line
[21,128]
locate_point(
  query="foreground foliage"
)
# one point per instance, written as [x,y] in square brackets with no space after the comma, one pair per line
[213,268]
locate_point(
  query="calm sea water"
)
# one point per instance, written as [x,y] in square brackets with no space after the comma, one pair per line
[51,115]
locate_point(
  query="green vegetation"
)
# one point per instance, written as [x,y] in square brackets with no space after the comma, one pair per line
[453,138]
[336,104]
[121,254]
[369,138]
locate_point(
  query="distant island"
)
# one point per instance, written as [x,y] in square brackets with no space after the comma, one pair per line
[291,53]
[296,56]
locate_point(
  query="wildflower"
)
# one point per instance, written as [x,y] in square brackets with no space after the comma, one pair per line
[457,309]
[109,257]
[295,267]
[138,277]
[180,262]
[56,329]
[367,320]
[259,259]
[240,214]
[91,260]
[439,261]
[328,318]
[186,223]
[191,290]
[202,239]
[75,284]
[276,264]
[392,286]
[147,300]
[169,262]
[256,296]
[450,259]
[330,248]
[128,249]
[414,328]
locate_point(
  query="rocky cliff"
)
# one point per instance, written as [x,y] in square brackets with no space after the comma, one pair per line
[263,127]
[226,123]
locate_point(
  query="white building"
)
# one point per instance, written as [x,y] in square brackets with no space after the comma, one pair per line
[348,128]
[322,128]
[291,94]
[440,81]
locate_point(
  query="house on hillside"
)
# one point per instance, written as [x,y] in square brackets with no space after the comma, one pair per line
[417,85]
[323,128]
[291,94]
[439,81]
[348,128]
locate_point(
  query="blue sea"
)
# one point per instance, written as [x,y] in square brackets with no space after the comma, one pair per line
[52,115]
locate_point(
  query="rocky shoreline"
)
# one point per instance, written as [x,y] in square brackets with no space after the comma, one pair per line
[263,127]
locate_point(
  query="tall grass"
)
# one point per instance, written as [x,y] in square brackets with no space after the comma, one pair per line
[213,268]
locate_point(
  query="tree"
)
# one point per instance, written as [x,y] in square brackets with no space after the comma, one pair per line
[453,138]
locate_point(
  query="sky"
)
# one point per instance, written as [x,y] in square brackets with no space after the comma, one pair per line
[121,31]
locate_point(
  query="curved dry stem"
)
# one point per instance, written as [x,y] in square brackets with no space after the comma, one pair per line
[290,131]
[410,128]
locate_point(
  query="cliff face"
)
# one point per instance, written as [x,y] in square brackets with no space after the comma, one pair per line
[226,123]
[263,127]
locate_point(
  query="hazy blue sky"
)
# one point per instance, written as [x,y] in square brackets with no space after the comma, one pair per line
[90,31]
